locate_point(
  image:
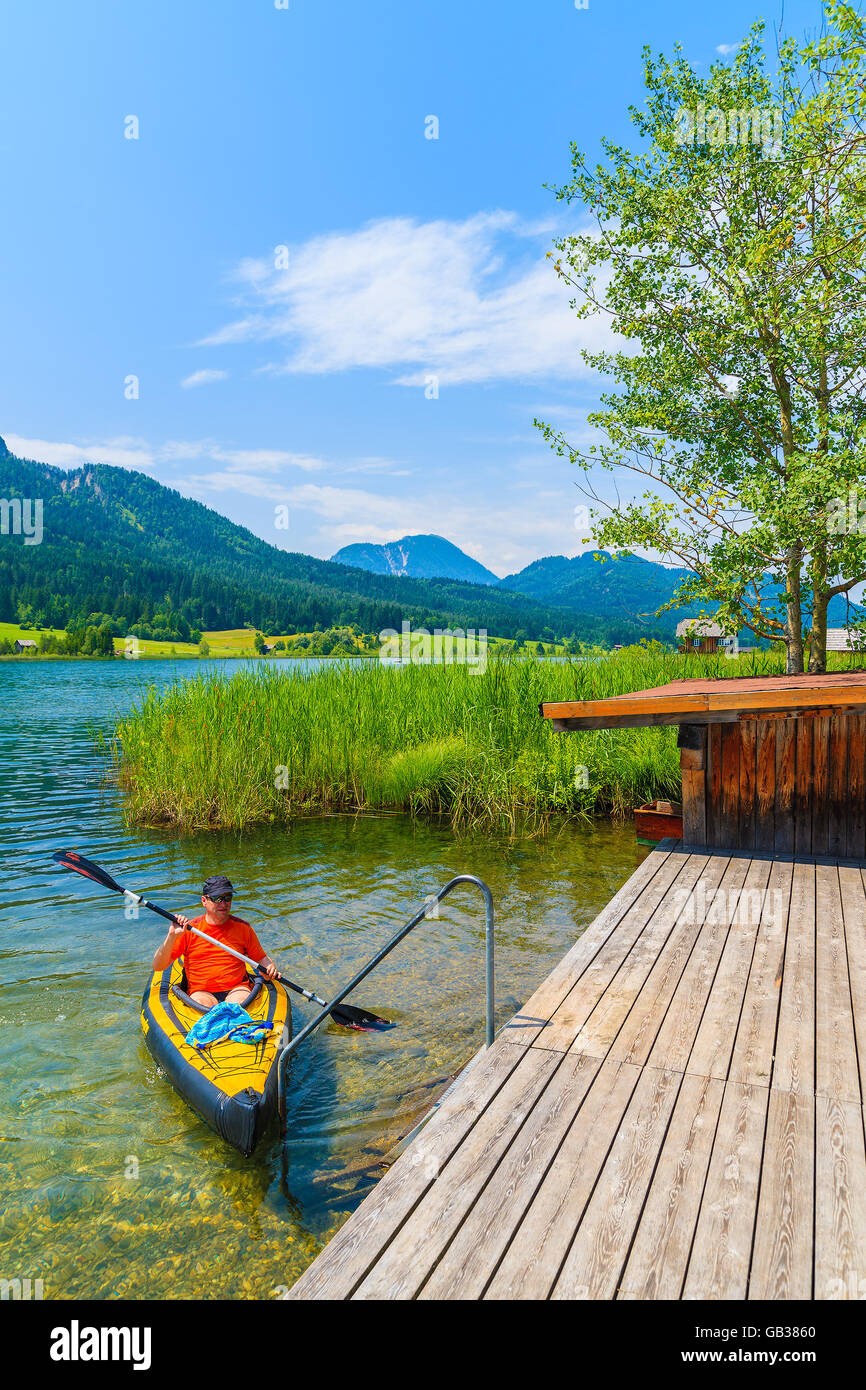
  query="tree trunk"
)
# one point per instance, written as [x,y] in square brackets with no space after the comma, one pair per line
[818,644]
[794,619]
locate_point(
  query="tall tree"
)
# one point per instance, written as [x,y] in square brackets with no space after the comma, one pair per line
[730,253]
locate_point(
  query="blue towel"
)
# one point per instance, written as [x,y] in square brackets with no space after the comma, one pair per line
[226,1021]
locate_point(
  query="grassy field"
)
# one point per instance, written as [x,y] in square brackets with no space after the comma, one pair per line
[428,740]
[230,642]
[13,632]
[240,641]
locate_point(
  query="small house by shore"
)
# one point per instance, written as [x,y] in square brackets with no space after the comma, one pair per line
[700,635]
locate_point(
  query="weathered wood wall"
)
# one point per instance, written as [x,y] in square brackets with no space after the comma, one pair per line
[788,785]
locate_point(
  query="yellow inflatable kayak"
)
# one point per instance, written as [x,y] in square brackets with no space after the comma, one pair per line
[231,1085]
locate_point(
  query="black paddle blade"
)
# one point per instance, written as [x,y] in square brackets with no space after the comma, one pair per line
[362,1019]
[70,859]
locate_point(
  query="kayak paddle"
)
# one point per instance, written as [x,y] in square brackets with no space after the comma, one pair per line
[345,1014]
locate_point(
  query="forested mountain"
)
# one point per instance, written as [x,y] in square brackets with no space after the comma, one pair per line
[117,543]
[419,557]
[623,585]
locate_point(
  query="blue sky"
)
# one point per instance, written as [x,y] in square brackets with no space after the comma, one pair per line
[302,378]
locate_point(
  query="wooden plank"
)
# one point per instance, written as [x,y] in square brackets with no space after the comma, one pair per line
[711,1053]
[803,787]
[793,700]
[765,781]
[640,702]
[664,942]
[350,1252]
[648,1175]
[794,1066]
[783,1254]
[413,1251]
[598,1253]
[540,1242]
[752,1057]
[639,721]
[692,743]
[675,1038]
[840,1200]
[693,771]
[694,806]
[714,782]
[655,914]
[465,1268]
[688,701]
[748,774]
[638,1033]
[856,816]
[719,1263]
[660,868]
[853,890]
[783,813]
[820,785]
[837,836]
[659,1255]
[728,827]
[693,759]
[721,716]
[836,1070]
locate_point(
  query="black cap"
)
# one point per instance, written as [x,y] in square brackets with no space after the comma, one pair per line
[216,886]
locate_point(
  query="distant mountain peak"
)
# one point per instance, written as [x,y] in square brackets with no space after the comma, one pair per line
[4,452]
[416,557]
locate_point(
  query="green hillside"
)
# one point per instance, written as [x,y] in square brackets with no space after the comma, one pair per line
[121,546]
[624,586]
[629,587]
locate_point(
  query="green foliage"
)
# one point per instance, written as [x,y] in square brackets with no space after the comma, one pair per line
[736,269]
[264,746]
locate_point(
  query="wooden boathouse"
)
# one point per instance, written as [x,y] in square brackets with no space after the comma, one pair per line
[677,1112]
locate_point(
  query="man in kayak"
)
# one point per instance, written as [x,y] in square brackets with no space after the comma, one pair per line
[213,976]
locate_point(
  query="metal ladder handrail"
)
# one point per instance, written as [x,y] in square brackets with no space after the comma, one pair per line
[413,922]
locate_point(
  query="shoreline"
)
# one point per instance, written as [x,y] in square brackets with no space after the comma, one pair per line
[184,656]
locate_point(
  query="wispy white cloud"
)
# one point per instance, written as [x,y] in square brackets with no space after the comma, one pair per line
[470,301]
[124,452]
[505,537]
[505,531]
[129,452]
[204,377]
[268,460]
[726,49]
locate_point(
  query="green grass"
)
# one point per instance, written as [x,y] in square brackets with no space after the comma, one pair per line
[14,632]
[265,747]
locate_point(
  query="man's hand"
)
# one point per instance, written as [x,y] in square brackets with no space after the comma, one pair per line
[267,968]
[162,958]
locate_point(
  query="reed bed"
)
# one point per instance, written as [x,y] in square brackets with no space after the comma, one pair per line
[268,745]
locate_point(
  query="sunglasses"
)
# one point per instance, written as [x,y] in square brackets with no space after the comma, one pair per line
[222,901]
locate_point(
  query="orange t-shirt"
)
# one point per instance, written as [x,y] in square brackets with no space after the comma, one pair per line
[207,967]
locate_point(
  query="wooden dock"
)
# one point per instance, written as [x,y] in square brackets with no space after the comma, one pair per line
[676,1113]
